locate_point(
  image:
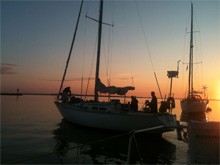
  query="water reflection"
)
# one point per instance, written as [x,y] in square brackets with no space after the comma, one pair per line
[75,144]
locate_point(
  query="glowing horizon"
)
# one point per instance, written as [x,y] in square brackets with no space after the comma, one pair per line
[35,45]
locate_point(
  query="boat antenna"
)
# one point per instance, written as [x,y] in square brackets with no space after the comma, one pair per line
[70,52]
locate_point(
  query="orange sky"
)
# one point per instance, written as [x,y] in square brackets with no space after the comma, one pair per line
[35,46]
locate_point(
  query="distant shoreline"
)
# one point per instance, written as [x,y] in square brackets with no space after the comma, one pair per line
[12,94]
[53,94]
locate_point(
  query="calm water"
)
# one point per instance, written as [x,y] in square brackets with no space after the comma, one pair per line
[32,131]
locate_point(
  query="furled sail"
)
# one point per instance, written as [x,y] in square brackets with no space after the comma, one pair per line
[113,89]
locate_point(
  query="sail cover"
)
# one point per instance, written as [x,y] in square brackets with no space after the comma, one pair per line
[113,89]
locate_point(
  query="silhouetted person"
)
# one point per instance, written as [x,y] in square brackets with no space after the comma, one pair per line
[153,103]
[134,103]
[66,95]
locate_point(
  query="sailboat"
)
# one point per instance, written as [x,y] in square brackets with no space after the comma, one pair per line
[112,115]
[193,102]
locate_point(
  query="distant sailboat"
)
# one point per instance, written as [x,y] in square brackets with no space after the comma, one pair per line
[193,102]
[112,115]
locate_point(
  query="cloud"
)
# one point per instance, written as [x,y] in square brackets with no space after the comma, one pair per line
[8,68]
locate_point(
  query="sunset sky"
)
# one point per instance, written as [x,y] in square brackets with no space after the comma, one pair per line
[147,37]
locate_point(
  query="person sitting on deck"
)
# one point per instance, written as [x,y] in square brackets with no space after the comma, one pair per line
[134,104]
[75,100]
[66,95]
[153,103]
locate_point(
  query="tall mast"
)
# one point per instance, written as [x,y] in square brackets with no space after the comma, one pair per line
[98,49]
[71,48]
[190,83]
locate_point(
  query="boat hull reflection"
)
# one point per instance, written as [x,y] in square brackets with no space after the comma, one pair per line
[76,144]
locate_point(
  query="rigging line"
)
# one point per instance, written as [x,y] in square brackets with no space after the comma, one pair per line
[93,57]
[81,86]
[128,45]
[158,86]
[90,73]
[107,67]
[198,43]
[70,52]
[132,80]
[201,58]
[138,150]
[84,50]
[183,59]
[87,87]
[109,57]
[104,54]
[112,38]
[109,42]
[149,54]
[145,38]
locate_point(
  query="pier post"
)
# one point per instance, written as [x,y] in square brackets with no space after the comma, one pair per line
[131,136]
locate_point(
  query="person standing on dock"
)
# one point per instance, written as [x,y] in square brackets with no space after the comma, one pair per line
[153,103]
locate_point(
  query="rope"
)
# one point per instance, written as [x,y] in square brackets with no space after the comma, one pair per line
[83,60]
[148,49]
[138,150]
[130,55]
[110,47]
[145,38]
[90,73]
[71,48]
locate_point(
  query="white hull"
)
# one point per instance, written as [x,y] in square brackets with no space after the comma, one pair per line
[204,142]
[193,106]
[115,120]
